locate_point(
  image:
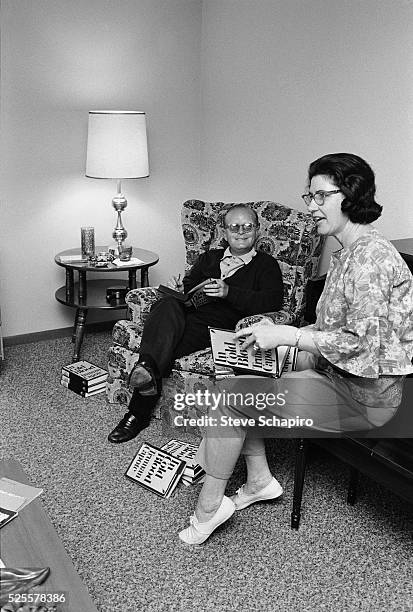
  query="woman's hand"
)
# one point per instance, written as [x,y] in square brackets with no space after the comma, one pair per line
[216,288]
[176,283]
[266,335]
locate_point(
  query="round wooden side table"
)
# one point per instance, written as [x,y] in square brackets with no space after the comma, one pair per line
[91,293]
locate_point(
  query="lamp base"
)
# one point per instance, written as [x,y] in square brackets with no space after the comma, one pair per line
[119,203]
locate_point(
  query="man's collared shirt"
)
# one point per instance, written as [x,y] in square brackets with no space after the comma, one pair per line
[231,263]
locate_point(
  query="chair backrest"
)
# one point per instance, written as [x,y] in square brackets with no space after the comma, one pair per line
[287,234]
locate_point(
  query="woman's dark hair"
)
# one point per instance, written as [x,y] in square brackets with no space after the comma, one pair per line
[355,179]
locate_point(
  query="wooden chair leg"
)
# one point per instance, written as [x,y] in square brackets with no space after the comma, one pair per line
[299,473]
[352,486]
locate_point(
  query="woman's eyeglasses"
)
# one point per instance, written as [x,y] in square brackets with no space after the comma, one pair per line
[318,197]
[235,228]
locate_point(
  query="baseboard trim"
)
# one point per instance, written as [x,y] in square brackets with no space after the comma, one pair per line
[51,334]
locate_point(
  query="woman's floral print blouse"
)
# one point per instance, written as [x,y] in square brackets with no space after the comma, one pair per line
[364,320]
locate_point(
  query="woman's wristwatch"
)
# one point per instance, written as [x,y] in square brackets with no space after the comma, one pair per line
[298,335]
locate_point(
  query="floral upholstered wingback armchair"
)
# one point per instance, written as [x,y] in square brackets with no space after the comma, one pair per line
[287,234]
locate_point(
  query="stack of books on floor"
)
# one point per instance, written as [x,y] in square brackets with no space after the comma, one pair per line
[185,451]
[160,470]
[84,378]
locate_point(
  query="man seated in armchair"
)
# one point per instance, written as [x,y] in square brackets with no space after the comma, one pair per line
[243,282]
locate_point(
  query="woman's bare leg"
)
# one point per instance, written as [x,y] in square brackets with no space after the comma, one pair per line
[258,473]
[210,498]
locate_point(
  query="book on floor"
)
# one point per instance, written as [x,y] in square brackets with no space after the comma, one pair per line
[79,385]
[192,481]
[84,372]
[6,516]
[227,353]
[187,452]
[83,392]
[156,470]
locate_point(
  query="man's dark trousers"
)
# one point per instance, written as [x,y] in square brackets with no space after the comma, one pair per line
[173,330]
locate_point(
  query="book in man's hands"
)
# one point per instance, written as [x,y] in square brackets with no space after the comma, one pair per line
[194,297]
[227,353]
[155,470]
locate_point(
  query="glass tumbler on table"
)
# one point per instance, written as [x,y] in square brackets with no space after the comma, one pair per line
[87,235]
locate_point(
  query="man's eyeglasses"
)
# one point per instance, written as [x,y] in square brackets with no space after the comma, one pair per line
[235,228]
[318,197]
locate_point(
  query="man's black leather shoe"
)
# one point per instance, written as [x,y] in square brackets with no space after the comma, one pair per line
[127,429]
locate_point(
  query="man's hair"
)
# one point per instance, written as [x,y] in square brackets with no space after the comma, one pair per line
[241,207]
[355,179]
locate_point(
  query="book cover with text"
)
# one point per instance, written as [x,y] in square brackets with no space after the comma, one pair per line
[155,470]
[228,352]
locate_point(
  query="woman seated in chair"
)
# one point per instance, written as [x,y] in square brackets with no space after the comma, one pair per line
[243,282]
[353,359]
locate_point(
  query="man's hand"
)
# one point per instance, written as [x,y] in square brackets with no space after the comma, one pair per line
[216,288]
[176,283]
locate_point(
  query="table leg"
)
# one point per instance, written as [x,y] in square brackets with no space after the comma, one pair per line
[144,277]
[82,286]
[69,284]
[299,473]
[80,320]
[132,279]
[75,324]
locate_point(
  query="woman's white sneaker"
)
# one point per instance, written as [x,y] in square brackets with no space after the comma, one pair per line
[198,532]
[243,500]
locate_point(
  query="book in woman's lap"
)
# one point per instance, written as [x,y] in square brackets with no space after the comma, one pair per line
[227,353]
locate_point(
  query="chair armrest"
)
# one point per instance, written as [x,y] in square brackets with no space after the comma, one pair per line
[281,317]
[139,302]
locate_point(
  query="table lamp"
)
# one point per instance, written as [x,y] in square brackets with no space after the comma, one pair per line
[117,148]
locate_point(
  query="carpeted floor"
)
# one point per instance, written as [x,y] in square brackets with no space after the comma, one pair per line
[123,539]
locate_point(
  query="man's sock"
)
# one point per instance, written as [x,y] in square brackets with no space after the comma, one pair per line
[145,376]
[142,407]
[141,379]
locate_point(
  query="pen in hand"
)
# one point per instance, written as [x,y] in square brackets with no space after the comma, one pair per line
[177,283]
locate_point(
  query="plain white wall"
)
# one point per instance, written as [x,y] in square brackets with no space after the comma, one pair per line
[284,82]
[60,59]
[281,83]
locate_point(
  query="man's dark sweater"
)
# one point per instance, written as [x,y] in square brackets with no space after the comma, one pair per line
[254,288]
[173,330]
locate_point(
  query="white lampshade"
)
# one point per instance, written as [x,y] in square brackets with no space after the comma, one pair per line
[117,145]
